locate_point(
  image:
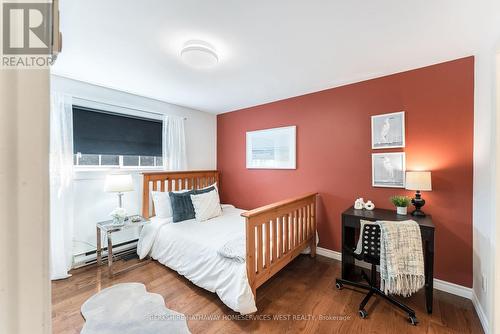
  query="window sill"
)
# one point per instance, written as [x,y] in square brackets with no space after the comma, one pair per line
[95,173]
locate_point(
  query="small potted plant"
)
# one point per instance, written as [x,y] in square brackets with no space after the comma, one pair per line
[401,203]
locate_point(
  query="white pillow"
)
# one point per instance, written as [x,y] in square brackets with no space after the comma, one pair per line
[206,205]
[161,202]
[212,185]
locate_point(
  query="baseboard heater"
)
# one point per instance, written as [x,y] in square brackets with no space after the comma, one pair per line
[119,250]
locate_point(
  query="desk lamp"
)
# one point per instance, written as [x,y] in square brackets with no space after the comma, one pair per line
[418,181]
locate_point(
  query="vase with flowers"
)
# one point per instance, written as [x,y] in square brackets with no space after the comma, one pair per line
[119,216]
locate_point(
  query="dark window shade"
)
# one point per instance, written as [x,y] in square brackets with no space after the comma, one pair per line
[97,132]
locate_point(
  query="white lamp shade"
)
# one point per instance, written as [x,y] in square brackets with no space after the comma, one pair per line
[418,181]
[118,183]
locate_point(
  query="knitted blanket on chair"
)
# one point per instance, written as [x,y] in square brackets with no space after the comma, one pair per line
[401,257]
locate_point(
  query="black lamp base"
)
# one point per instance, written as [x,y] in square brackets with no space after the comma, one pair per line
[418,202]
[418,213]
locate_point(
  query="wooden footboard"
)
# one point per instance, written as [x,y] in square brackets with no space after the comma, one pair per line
[276,234]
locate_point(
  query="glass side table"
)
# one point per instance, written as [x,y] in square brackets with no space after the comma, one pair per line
[108,228]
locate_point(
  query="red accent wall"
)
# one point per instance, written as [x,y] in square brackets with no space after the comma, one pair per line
[334,153]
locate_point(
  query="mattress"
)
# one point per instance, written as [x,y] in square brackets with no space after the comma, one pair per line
[191,249]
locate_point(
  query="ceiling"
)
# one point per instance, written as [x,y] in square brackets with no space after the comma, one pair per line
[268,50]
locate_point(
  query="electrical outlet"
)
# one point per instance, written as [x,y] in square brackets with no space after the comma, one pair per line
[483,283]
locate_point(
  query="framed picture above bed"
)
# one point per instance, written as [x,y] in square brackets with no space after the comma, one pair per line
[388,130]
[272,148]
[388,170]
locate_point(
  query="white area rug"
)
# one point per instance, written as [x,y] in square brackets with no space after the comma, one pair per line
[128,308]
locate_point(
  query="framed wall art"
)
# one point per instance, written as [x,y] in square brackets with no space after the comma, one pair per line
[388,170]
[388,130]
[271,148]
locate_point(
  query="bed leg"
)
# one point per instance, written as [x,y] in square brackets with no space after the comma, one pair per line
[314,231]
[313,247]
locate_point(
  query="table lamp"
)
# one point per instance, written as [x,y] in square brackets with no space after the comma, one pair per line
[118,183]
[418,181]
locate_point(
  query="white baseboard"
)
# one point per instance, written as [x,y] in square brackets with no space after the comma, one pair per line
[453,288]
[329,253]
[480,313]
[338,256]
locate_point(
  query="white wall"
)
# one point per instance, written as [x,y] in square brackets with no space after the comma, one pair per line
[496,264]
[91,203]
[24,236]
[484,186]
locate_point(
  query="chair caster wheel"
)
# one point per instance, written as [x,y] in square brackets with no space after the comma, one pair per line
[363,314]
[339,286]
[413,320]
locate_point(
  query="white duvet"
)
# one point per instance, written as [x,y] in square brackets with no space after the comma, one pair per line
[191,248]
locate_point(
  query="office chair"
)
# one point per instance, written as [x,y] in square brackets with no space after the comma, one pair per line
[371,253]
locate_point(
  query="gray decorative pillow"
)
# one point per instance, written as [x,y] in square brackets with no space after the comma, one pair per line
[182,206]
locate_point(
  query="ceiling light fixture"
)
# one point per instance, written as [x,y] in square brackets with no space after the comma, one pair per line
[199,54]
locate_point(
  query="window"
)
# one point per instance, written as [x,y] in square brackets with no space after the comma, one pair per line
[105,139]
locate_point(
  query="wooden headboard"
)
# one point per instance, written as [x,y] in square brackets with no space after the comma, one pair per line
[173,181]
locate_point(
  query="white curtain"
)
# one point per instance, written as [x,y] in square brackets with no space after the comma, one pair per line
[61,186]
[174,144]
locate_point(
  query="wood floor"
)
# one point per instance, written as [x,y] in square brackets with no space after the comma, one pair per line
[301,293]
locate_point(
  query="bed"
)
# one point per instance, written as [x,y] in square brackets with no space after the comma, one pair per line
[274,235]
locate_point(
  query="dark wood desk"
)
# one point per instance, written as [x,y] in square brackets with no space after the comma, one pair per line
[350,229]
